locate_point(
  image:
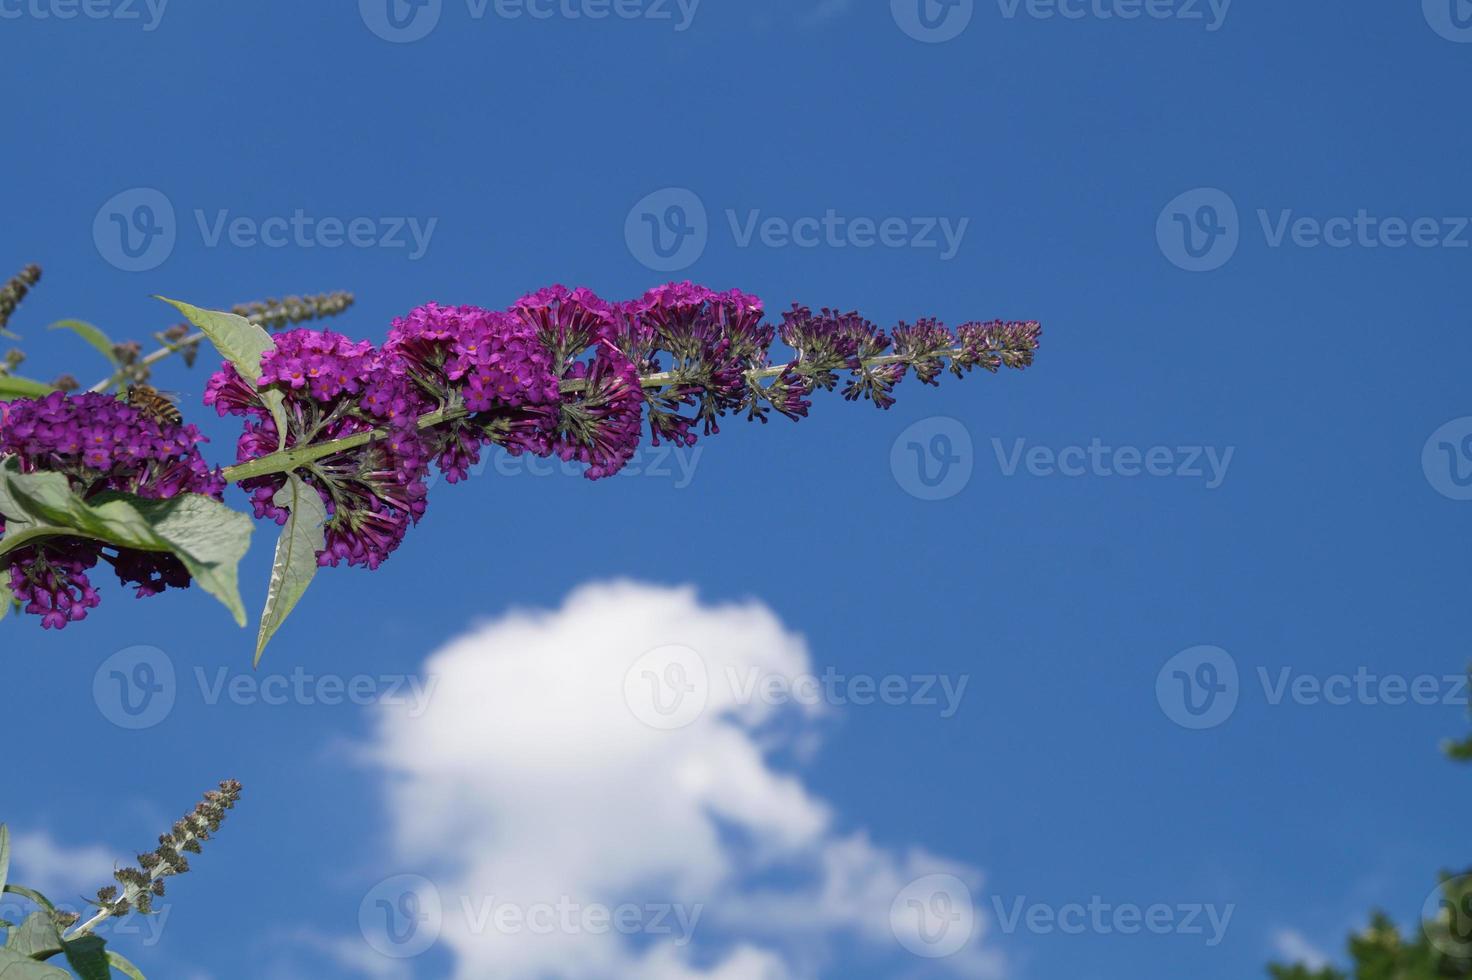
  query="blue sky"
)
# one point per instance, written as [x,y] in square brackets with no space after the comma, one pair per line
[1244,227]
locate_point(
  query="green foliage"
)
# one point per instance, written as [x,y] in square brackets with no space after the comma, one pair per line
[14,386]
[296,555]
[208,537]
[92,335]
[241,342]
[41,937]
[1440,950]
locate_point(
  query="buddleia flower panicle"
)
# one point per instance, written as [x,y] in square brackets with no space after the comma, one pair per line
[278,314]
[560,372]
[142,884]
[334,388]
[15,290]
[98,443]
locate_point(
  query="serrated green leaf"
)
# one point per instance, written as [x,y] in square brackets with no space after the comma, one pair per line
[120,963]
[242,343]
[36,937]
[4,855]
[88,958]
[14,966]
[92,335]
[14,386]
[207,536]
[296,555]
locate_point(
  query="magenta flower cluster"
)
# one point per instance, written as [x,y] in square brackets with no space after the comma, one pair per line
[333,389]
[101,445]
[560,372]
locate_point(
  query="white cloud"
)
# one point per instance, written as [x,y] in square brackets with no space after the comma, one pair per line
[531,782]
[60,872]
[1293,947]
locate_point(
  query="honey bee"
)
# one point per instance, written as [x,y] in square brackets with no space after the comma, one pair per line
[154,404]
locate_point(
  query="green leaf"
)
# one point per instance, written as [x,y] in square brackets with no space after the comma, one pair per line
[207,536]
[120,963]
[7,599]
[14,386]
[296,555]
[242,343]
[92,335]
[30,894]
[4,855]
[88,958]
[36,937]
[14,966]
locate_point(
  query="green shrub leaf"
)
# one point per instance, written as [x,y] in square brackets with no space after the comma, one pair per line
[88,958]
[14,966]
[242,343]
[36,937]
[207,536]
[120,963]
[13,386]
[296,555]
[92,335]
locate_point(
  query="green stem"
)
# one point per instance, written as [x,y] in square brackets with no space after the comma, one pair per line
[289,459]
[149,361]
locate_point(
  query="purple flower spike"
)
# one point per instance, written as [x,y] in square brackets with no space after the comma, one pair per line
[98,443]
